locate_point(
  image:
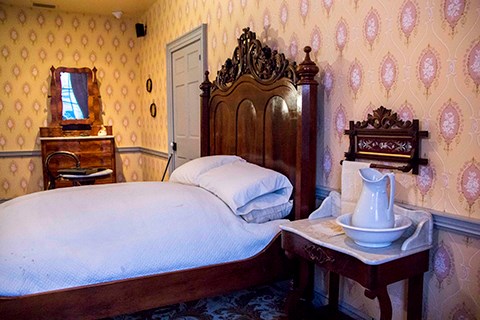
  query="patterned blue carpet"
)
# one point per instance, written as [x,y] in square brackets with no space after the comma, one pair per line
[264,302]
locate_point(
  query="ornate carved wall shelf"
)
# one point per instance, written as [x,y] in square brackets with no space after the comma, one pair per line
[386,138]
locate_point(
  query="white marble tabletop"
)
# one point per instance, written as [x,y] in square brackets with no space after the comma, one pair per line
[327,233]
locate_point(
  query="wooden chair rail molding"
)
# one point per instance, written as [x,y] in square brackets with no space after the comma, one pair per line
[385,137]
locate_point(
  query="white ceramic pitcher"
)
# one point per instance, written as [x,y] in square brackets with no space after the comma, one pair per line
[374,208]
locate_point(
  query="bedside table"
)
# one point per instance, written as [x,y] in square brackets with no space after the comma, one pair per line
[321,242]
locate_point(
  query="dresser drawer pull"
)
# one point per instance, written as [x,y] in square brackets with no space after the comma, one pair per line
[317,255]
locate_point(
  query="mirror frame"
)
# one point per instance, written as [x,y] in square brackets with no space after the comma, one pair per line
[56,106]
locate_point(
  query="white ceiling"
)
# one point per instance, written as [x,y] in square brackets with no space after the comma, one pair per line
[130,8]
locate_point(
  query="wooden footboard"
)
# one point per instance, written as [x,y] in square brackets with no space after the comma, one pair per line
[142,293]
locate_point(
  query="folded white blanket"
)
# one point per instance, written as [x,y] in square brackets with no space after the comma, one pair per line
[77,236]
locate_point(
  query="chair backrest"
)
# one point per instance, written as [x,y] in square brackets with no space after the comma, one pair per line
[51,170]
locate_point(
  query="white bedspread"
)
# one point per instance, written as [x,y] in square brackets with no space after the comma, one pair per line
[77,236]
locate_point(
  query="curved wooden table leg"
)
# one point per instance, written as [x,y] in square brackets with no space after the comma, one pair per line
[383,300]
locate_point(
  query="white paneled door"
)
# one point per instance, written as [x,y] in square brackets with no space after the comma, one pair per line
[187,68]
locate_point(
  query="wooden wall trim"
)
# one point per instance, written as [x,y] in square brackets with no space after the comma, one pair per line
[37,153]
[441,220]
[20,154]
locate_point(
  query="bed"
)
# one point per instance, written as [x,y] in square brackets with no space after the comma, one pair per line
[259,111]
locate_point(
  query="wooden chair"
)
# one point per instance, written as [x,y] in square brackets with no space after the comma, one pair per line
[51,171]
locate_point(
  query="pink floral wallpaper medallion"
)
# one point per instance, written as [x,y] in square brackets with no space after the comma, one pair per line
[328,80]
[304,9]
[450,123]
[355,74]
[408,18]
[453,12]
[428,68]
[316,41]
[406,111]
[327,5]
[461,311]
[371,27]
[341,35]
[283,15]
[443,264]
[327,163]
[469,184]
[472,64]
[340,121]
[388,73]
[425,180]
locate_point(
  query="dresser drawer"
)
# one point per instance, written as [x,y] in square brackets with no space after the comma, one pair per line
[79,146]
[96,146]
[95,160]
[92,152]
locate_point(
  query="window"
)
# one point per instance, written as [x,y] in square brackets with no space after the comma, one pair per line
[71,109]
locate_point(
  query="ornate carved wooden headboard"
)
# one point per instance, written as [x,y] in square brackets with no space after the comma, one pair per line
[264,109]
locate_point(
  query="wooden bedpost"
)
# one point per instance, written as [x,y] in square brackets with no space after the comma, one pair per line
[205,116]
[307,138]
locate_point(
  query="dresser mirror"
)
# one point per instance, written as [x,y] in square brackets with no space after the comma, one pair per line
[74,102]
[74,95]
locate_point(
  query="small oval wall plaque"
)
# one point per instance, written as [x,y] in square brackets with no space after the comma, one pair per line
[149,85]
[153,110]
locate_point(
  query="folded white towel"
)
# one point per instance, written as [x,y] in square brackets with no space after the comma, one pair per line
[352,184]
[329,207]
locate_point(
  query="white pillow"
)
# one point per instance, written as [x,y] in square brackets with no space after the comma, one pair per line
[270,213]
[189,172]
[240,182]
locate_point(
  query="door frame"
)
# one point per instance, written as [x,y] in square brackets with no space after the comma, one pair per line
[197,34]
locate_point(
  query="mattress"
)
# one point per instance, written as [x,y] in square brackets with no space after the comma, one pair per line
[78,236]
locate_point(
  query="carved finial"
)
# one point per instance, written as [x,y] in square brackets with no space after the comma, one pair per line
[94,71]
[307,69]
[307,51]
[205,85]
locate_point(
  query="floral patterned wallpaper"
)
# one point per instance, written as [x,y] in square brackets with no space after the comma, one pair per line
[33,40]
[420,58]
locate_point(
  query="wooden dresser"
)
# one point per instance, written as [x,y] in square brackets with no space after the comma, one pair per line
[76,127]
[93,152]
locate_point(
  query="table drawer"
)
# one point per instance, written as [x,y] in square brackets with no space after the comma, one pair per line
[309,251]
